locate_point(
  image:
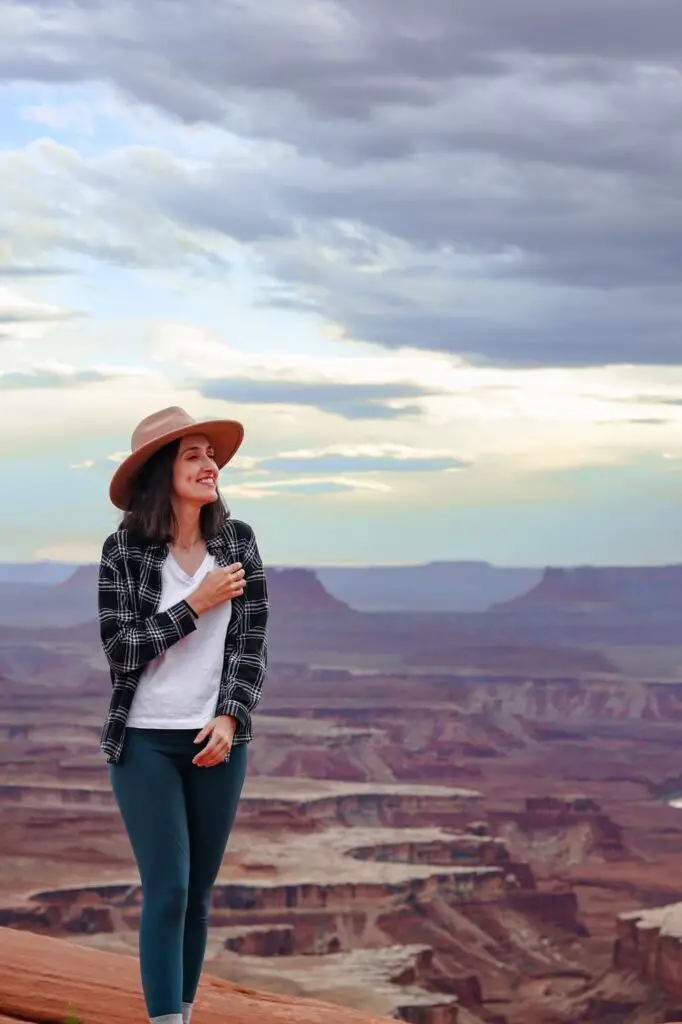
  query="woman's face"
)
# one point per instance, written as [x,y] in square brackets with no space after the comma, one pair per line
[195,473]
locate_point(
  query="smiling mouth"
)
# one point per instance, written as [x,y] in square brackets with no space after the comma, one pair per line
[207,481]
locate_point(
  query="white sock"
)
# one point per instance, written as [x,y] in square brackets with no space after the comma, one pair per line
[186,1012]
[168,1018]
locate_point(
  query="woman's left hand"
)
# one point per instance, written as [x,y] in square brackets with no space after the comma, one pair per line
[221,730]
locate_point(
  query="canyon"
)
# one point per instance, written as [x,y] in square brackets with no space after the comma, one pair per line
[480,844]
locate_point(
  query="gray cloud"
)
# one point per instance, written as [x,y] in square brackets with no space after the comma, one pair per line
[34,314]
[23,270]
[352,401]
[658,400]
[650,421]
[48,381]
[507,170]
[646,400]
[342,60]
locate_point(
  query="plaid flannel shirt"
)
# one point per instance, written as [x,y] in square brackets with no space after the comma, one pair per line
[133,632]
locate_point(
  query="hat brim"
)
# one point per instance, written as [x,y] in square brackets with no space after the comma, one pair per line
[225,436]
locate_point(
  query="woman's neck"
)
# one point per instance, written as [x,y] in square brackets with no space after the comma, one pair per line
[188,530]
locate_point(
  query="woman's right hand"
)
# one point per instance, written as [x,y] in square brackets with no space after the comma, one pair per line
[218,585]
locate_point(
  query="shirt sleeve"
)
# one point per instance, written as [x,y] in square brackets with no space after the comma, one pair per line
[247,661]
[130,643]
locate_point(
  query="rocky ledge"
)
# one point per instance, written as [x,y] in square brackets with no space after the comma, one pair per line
[45,979]
[650,943]
[392,981]
[644,982]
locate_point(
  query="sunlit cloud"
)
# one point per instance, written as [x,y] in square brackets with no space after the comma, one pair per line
[371,458]
[308,485]
[23,318]
[420,268]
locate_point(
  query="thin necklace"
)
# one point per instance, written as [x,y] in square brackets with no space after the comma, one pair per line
[187,547]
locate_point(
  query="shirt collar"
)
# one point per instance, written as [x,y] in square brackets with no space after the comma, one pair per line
[158,552]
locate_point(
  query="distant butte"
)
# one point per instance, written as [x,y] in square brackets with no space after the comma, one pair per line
[85,576]
[644,588]
[300,590]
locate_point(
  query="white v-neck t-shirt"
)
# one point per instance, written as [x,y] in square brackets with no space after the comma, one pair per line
[179,688]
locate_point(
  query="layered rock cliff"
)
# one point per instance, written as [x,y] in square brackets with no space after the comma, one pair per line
[334,891]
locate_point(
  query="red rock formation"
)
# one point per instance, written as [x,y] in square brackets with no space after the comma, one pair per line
[573,587]
[509,657]
[554,832]
[83,578]
[299,591]
[650,942]
[617,742]
[264,940]
[45,980]
[562,805]
[588,587]
[554,908]
[644,984]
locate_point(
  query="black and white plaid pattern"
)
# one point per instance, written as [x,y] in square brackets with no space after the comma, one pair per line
[133,632]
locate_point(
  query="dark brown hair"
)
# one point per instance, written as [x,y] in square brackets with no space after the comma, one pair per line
[150,517]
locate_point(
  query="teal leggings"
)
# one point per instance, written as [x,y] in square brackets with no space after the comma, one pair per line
[178,818]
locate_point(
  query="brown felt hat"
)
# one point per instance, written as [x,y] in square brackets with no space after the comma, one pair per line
[159,429]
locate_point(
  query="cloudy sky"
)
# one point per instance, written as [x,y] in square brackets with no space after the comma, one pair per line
[428,253]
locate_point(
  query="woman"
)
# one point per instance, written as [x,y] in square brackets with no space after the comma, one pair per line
[183,609]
